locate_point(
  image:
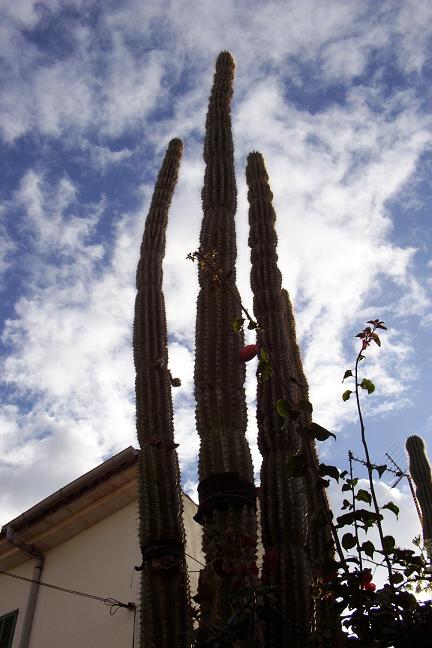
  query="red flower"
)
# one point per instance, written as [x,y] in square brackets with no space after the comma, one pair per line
[248,352]
[366,581]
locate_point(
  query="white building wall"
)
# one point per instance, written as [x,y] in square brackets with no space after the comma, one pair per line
[100,561]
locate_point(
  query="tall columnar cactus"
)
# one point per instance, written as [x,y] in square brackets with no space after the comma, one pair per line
[165,619]
[226,489]
[320,545]
[421,473]
[291,508]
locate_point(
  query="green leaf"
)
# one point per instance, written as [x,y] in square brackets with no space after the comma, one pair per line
[368,385]
[364,496]
[348,373]
[252,325]
[368,548]
[296,465]
[264,355]
[346,395]
[389,544]
[320,433]
[391,507]
[283,407]
[380,470]
[348,541]
[305,405]
[237,324]
[330,471]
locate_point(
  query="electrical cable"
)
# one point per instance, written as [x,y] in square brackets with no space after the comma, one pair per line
[110,602]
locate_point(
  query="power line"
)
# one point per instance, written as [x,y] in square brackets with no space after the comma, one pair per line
[112,603]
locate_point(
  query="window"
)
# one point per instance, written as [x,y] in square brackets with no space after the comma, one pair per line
[7,628]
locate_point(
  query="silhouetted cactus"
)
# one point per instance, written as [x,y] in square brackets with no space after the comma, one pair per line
[226,488]
[421,473]
[165,620]
[291,508]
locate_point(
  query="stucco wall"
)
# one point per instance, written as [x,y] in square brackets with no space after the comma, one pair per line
[99,561]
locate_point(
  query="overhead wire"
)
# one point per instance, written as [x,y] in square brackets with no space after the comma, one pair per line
[110,602]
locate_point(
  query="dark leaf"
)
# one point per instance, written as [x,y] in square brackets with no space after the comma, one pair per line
[376,339]
[407,600]
[291,379]
[348,373]
[380,470]
[397,578]
[388,544]
[368,548]
[364,496]
[346,395]
[343,474]
[305,405]
[252,325]
[368,385]
[346,504]
[323,483]
[391,507]
[330,471]
[348,541]
[320,433]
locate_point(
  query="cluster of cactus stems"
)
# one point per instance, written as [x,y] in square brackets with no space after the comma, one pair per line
[165,619]
[291,517]
[226,489]
[420,470]
[294,539]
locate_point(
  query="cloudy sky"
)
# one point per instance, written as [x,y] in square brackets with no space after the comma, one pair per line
[336,96]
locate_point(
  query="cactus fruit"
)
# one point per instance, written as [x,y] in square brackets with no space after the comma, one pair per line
[165,621]
[227,500]
[421,473]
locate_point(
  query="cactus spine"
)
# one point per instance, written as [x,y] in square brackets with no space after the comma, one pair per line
[226,488]
[165,619]
[421,473]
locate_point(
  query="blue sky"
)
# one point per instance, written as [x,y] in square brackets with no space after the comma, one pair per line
[336,96]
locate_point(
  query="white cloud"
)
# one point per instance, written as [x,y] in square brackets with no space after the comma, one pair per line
[332,172]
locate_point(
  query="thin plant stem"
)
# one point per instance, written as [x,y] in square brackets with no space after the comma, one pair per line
[369,465]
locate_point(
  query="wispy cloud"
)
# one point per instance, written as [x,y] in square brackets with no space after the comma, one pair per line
[333,95]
